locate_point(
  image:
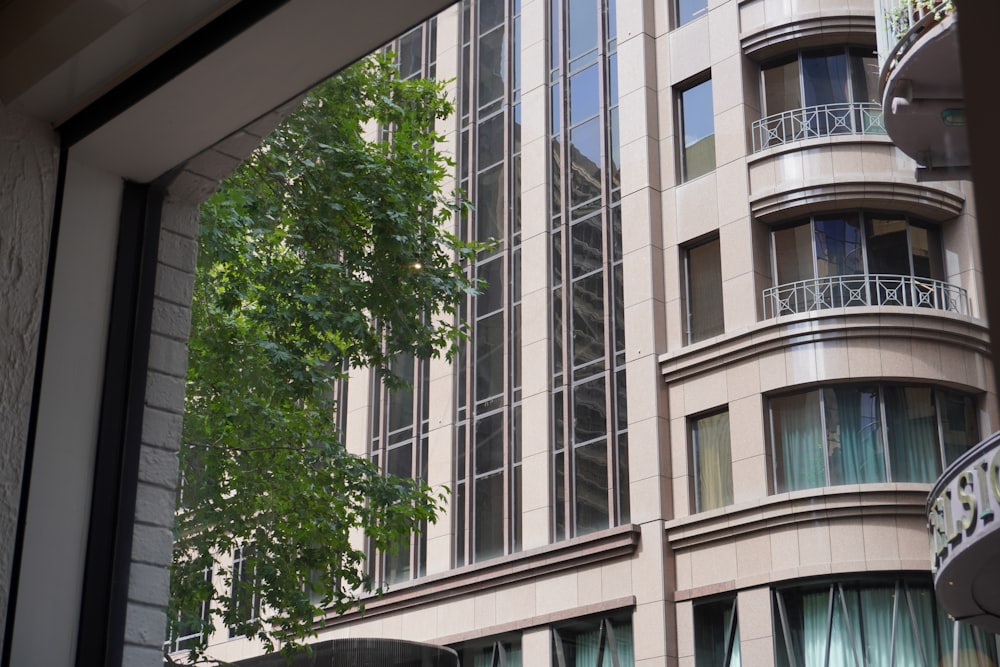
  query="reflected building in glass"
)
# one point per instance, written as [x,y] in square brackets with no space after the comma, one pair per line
[727,343]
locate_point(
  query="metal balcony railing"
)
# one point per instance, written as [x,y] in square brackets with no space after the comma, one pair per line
[864,290]
[819,121]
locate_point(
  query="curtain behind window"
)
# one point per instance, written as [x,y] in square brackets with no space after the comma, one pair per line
[913,448]
[799,443]
[854,428]
[894,623]
[714,471]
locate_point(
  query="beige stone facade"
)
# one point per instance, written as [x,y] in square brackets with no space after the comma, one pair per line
[659,567]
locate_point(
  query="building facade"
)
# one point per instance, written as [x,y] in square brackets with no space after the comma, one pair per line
[728,344]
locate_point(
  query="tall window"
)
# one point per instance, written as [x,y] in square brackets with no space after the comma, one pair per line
[588,333]
[688,10]
[697,130]
[193,622]
[856,258]
[703,286]
[488,437]
[398,445]
[243,601]
[716,634]
[603,642]
[711,461]
[861,434]
[400,417]
[878,621]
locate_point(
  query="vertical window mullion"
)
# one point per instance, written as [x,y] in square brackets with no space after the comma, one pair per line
[416,437]
[566,271]
[610,417]
[802,83]
[885,433]
[829,626]
[506,300]
[823,431]
[771,448]
[785,630]
[938,418]
[814,246]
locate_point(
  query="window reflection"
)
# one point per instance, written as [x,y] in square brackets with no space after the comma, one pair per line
[697,130]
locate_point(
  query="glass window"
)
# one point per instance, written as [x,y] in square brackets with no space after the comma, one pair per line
[716,634]
[863,434]
[492,66]
[688,10]
[244,605]
[583,643]
[857,259]
[832,75]
[818,93]
[703,268]
[911,420]
[410,53]
[782,86]
[487,393]
[878,621]
[588,319]
[584,27]
[697,130]
[712,462]
[505,652]
[587,302]
[193,622]
[398,446]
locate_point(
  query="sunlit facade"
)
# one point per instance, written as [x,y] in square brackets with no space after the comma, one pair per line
[727,345]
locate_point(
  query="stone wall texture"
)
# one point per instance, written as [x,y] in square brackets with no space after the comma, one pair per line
[28,164]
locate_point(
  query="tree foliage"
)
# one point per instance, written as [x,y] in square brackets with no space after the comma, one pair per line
[323,251]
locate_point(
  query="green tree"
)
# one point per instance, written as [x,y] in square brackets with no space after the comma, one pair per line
[323,251]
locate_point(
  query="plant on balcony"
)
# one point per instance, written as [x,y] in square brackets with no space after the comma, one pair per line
[907,13]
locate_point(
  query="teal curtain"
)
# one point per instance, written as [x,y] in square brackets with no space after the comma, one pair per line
[854,428]
[842,636]
[483,657]
[798,436]
[895,625]
[815,617]
[585,646]
[734,659]
[874,629]
[714,462]
[912,430]
[623,645]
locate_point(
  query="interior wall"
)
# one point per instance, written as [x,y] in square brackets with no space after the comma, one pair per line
[58,511]
[28,164]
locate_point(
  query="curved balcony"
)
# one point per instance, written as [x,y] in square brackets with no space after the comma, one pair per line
[824,120]
[920,85]
[864,290]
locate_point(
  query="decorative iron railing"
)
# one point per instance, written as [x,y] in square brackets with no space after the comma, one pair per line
[819,121]
[864,290]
